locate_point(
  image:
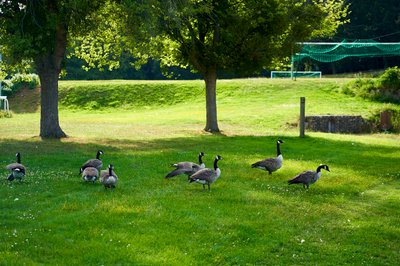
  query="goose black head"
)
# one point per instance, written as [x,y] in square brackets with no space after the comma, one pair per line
[201,154]
[325,167]
[99,152]
[218,157]
[280,141]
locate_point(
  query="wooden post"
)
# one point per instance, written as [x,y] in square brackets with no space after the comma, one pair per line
[386,120]
[302,115]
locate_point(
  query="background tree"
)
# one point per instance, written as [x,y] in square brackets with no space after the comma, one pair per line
[242,36]
[40,30]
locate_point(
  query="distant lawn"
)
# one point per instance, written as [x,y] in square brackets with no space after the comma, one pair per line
[349,217]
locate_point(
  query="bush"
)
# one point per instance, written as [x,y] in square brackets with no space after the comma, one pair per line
[359,87]
[30,81]
[18,81]
[390,80]
[386,88]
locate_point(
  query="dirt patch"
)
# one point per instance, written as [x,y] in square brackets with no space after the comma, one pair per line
[25,101]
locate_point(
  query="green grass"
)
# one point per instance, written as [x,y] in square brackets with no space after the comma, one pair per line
[349,217]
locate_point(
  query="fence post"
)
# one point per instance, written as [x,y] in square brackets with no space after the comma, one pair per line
[386,120]
[302,115]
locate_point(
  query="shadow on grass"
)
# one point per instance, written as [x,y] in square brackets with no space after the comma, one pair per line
[357,156]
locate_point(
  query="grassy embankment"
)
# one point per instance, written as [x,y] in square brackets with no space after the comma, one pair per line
[350,216]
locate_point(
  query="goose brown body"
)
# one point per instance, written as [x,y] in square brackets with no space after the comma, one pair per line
[271,164]
[207,176]
[17,169]
[308,177]
[108,177]
[96,163]
[187,168]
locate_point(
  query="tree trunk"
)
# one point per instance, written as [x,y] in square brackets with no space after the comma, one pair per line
[210,79]
[49,123]
[49,67]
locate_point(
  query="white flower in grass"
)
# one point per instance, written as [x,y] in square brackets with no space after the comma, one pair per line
[302,241]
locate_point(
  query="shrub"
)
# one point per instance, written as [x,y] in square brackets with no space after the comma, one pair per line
[6,87]
[386,88]
[390,80]
[30,81]
[360,87]
[18,81]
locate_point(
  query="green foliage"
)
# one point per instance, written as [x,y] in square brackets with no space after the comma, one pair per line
[18,81]
[386,88]
[390,79]
[29,30]
[228,34]
[30,81]
[103,44]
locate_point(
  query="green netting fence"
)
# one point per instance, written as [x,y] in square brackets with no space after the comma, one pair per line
[331,52]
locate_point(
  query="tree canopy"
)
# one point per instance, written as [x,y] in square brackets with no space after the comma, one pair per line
[244,36]
[39,31]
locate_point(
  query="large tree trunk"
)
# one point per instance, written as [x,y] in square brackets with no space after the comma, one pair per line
[210,79]
[49,122]
[49,67]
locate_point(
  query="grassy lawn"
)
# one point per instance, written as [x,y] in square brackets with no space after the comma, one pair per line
[351,216]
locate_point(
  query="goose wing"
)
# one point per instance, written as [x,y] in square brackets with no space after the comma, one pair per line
[14,166]
[303,178]
[268,164]
[184,165]
[105,174]
[176,172]
[205,174]
[187,168]
[96,163]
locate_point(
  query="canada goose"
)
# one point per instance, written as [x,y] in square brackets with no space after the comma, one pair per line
[308,177]
[90,174]
[108,177]
[96,163]
[187,168]
[207,175]
[17,169]
[271,164]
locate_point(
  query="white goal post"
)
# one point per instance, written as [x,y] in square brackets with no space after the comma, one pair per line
[296,74]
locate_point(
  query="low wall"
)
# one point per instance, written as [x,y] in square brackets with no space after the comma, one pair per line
[337,124]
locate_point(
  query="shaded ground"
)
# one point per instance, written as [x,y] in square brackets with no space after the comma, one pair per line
[25,101]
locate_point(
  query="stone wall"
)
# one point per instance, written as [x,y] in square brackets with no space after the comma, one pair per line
[337,124]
